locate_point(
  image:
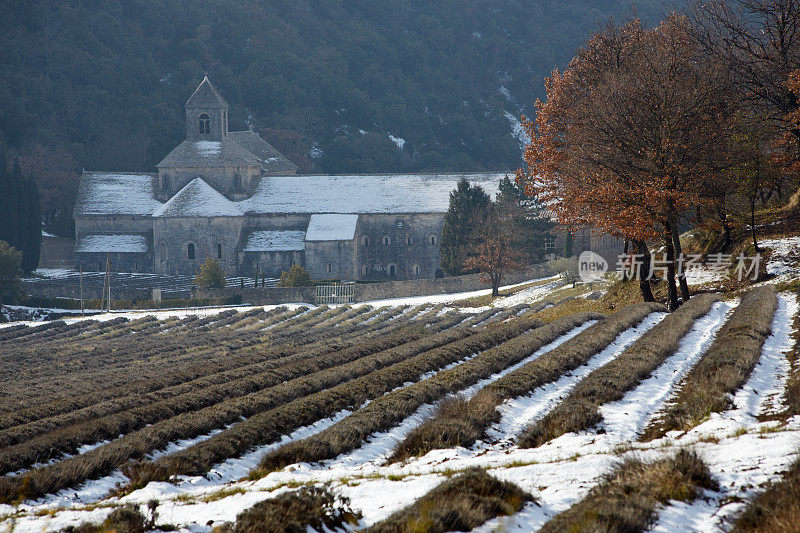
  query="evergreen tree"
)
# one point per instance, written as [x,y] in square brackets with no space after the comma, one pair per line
[532,226]
[467,205]
[33,225]
[19,201]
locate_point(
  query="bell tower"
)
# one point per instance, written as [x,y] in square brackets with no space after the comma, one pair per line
[206,114]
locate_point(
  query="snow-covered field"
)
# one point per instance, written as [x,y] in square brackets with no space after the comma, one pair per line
[741,452]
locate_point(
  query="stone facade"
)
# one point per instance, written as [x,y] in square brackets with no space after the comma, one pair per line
[233,197]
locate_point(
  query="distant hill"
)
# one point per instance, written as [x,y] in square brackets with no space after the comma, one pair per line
[339,85]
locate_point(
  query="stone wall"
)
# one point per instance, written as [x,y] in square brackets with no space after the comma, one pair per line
[73,290]
[374,291]
[409,243]
[210,236]
[57,252]
[261,296]
[330,259]
[120,262]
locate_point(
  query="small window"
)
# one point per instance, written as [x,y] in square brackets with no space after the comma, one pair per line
[364,270]
[385,240]
[364,241]
[190,251]
[219,251]
[255,266]
[162,249]
[204,124]
[549,242]
[329,268]
[392,271]
[416,270]
[433,240]
[408,241]
[136,266]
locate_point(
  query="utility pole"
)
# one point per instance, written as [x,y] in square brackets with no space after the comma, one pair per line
[108,275]
[81,291]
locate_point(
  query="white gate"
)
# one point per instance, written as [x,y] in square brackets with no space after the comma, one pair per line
[335,293]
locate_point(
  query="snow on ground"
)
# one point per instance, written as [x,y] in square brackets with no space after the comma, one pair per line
[740,451]
[785,259]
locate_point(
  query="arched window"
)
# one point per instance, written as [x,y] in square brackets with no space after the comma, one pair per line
[385,240]
[190,251]
[433,240]
[219,251]
[329,268]
[204,124]
[408,241]
[162,252]
[415,270]
[364,241]
[392,271]
[364,270]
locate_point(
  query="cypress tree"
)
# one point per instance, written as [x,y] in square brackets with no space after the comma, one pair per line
[6,206]
[30,261]
[19,236]
[467,204]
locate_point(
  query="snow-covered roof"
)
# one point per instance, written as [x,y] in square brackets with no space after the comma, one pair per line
[275,241]
[198,199]
[134,194]
[272,161]
[331,227]
[112,243]
[116,193]
[398,193]
[224,153]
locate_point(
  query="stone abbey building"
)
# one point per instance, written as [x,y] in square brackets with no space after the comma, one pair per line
[231,196]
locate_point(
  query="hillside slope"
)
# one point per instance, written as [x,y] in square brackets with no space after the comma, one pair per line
[358,85]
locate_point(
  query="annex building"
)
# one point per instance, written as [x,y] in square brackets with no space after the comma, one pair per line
[231,196]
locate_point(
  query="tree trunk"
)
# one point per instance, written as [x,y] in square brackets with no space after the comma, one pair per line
[678,253]
[644,283]
[495,285]
[753,222]
[625,253]
[672,293]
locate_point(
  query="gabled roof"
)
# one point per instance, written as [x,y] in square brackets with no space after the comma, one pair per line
[275,241]
[224,153]
[112,243]
[198,199]
[272,161]
[332,227]
[116,193]
[206,96]
[354,194]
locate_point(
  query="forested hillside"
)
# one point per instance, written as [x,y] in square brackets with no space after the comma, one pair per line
[107,79]
[101,84]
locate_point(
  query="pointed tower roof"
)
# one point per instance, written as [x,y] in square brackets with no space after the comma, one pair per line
[206,96]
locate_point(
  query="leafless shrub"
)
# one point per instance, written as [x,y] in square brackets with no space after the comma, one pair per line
[627,498]
[610,382]
[725,367]
[461,503]
[461,423]
[391,409]
[295,512]
[278,410]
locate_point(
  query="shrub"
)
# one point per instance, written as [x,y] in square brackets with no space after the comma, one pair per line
[609,383]
[211,275]
[567,267]
[627,498]
[10,261]
[296,277]
[461,503]
[295,512]
[726,365]
[125,519]
[459,422]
